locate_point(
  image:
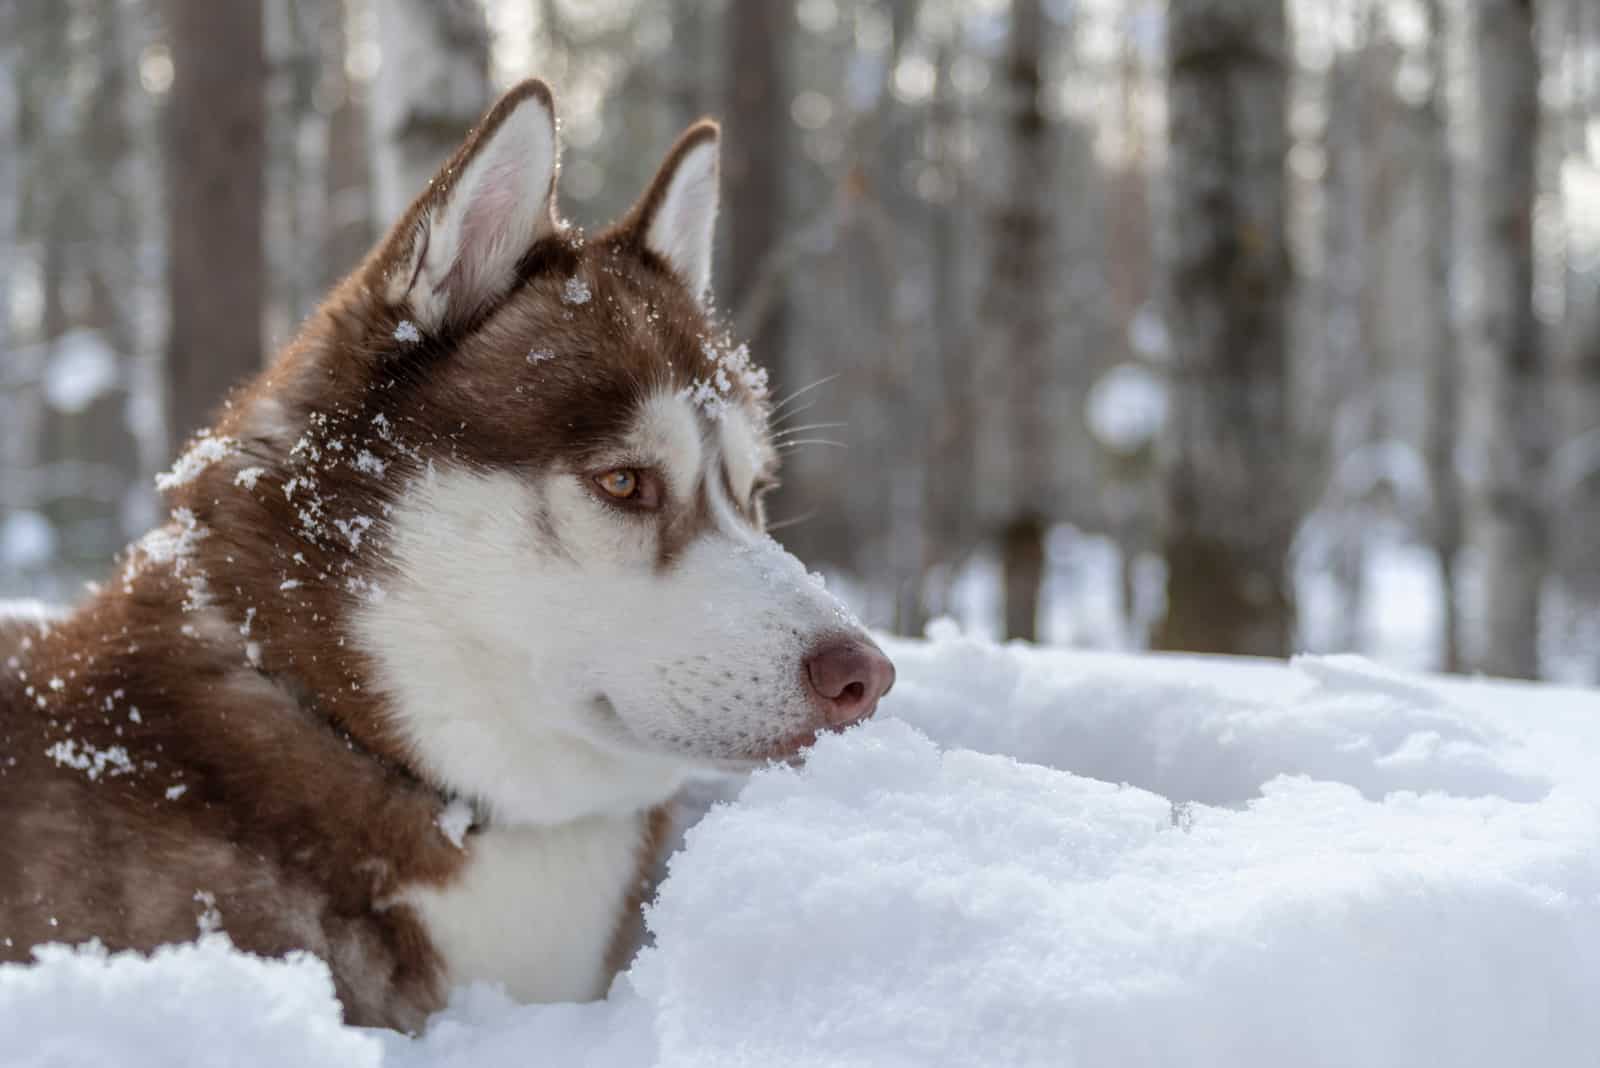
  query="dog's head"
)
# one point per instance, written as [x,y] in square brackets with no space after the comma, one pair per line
[537,488]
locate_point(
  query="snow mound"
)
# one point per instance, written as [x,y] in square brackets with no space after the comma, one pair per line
[483,1028]
[200,1004]
[1045,858]
[1211,732]
[895,904]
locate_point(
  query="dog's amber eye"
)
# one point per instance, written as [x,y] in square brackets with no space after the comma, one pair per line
[636,488]
[623,483]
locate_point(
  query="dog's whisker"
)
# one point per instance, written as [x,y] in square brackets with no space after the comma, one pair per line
[784,446]
[793,413]
[791,431]
[792,397]
[801,391]
[794,520]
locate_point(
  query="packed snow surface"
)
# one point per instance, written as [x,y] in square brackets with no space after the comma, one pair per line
[182,1007]
[1034,857]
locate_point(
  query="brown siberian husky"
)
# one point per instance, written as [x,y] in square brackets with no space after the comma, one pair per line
[453,599]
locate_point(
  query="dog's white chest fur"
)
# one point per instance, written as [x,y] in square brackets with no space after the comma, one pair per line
[537,908]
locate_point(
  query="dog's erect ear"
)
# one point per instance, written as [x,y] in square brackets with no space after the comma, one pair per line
[458,247]
[677,216]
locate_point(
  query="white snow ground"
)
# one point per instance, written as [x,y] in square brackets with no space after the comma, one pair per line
[1034,857]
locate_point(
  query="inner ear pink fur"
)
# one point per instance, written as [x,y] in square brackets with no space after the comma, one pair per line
[486,208]
[676,218]
[487,222]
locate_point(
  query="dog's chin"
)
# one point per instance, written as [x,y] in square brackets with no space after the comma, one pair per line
[790,750]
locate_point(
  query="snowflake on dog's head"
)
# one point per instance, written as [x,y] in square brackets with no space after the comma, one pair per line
[730,363]
[704,395]
[576,291]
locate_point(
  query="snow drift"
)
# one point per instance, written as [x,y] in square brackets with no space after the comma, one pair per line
[1034,857]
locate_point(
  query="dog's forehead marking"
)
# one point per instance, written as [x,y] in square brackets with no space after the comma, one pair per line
[668,431]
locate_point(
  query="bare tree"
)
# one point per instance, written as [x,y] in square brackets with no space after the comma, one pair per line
[10,170]
[349,166]
[96,436]
[688,86]
[1364,189]
[14,398]
[38,47]
[1020,311]
[297,144]
[949,497]
[215,186]
[1443,374]
[756,99]
[432,85]
[1230,492]
[1509,513]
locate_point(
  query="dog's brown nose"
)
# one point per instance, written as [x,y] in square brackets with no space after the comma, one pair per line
[848,676]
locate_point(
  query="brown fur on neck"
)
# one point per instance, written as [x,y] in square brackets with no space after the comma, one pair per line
[150,772]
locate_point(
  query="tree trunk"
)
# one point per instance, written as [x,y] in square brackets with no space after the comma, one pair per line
[755,146]
[1510,513]
[1443,375]
[98,436]
[1022,574]
[10,171]
[145,181]
[1230,493]
[950,495]
[754,154]
[216,153]
[687,88]
[1347,374]
[12,397]
[349,170]
[1021,309]
[904,438]
[297,143]
[432,85]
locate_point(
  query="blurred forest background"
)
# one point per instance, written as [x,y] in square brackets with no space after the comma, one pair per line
[1230,325]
